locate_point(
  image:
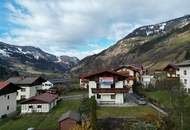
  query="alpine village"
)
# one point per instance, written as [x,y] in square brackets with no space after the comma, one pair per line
[142,82]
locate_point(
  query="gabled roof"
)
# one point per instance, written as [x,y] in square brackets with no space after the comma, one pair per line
[171,66]
[45,98]
[6,87]
[26,80]
[71,115]
[184,63]
[4,84]
[85,76]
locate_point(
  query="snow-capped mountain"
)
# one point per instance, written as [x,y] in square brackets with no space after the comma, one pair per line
[34,57]
[160,28]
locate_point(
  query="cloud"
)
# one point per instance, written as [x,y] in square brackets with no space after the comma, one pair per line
[68,25]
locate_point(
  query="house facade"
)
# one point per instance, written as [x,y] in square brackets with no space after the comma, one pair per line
[8,93]
[147,79]
[47,85]
[29,86]
[41,103]
[171,71]
[108,87]
[132,72]
[184,74]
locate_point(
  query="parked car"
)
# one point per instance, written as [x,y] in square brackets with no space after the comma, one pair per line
[141,101]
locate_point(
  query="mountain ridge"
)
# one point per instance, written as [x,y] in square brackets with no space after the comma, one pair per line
[152,51]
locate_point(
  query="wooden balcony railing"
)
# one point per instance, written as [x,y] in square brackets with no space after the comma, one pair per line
[110,90]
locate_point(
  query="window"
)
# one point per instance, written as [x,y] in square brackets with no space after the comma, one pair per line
[185,81]
[23,89]
[98,96]
[39,106]
[22,96]
[30,107]
[113,96]
[7,108]
[8,97]
[113,85]
[185,72]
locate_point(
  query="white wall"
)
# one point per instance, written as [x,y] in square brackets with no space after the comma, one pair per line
[146,79]
[29,91]
[106,97]
[11,102]
[47,85]
[184,77]
[44,107]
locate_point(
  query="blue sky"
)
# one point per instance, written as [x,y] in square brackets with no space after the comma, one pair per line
[80,27]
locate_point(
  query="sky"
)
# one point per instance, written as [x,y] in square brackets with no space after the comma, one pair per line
[80,27]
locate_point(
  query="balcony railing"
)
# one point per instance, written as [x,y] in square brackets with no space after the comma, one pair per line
[110,90]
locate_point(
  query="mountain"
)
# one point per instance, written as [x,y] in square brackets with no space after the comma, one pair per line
[153,46]
[33,60]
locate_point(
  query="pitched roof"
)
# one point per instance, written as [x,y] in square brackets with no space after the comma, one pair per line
[4,84]
[184,63]
[24,80]
[71,115]
[171,65]
[45,97]
[6,87]
[100,72]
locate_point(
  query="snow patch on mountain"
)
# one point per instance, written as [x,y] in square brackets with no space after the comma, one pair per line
[4,53]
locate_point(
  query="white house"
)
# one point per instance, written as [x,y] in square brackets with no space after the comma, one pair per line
[29,86]
[146,79]
[47,85]
[108,87]
[40,103]
[184,74]
[8,93]
[52,82]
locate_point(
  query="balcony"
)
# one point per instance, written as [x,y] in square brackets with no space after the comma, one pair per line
[110,90]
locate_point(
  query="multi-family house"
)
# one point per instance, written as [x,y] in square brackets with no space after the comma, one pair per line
[184,74]
[108,87]
[8,93]
[29,86]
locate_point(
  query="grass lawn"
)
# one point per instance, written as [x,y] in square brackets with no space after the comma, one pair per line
[161,96]
[137,111]
[76,92]
[38,120]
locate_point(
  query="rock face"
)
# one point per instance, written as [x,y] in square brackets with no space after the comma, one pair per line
[28,58]
[153,46]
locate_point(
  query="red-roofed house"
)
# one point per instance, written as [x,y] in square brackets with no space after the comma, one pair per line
[40,103]
[107,86]
[8,93]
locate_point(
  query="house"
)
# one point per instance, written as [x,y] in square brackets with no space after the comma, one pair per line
[83,82]
[184,74]
[8,93]
[147,79]
[47,85]
[68,120]
[133,72]
[29,86]
[40,103]
[171,71]
[52,83]
[108,87]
